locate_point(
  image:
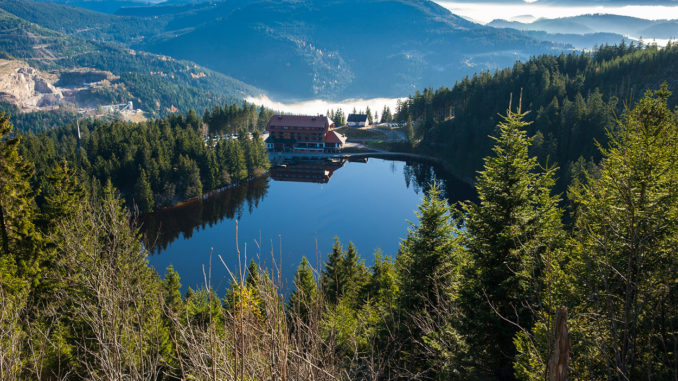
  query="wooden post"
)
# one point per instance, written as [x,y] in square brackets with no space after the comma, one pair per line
[560,358]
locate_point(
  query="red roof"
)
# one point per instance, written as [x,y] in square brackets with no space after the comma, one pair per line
[335,137]
[299,121]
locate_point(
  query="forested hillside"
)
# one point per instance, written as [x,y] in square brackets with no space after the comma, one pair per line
[157,84]
[299,54]
[153,164]
[475,292]
[573,99]
[39,120]
[291,49]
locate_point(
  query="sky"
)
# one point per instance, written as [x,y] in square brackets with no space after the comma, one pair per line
[486,11]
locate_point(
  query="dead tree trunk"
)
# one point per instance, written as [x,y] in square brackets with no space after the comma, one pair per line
[560,358]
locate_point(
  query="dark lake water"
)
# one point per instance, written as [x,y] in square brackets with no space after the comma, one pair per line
[295,211]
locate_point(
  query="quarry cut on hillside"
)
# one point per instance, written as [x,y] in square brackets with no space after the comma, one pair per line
[27,88]
[33,90]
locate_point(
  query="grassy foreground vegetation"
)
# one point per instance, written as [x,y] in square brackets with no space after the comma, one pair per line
[472,293]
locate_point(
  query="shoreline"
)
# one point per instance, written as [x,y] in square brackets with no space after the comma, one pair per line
[276,158]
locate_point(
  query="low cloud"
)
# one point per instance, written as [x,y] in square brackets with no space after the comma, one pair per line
[485,12]
[317,106]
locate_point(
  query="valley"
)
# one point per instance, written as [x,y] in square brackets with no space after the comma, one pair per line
[338,189]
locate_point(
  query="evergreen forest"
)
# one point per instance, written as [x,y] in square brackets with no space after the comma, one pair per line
[472,294]
[151,164]
[573,99]
[551,274]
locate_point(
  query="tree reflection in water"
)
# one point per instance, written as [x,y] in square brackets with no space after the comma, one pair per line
[163,227]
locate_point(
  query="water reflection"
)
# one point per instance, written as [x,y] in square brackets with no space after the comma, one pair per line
[162,228]
[307,171]
[421,175]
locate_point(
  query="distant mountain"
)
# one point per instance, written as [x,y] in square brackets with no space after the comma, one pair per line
[598,23]
[300,49]
[576,2]
[579,41]
[351,48]
[105,6]
[157,84]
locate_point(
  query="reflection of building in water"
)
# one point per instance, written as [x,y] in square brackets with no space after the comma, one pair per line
[308,171]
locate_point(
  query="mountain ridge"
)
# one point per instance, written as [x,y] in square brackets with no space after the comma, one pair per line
[598,23]
[326,50]
[155,83]
[306,49]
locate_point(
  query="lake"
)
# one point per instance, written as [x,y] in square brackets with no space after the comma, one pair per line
[294,211]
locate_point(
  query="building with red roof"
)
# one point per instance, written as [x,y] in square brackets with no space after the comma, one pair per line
[303,133]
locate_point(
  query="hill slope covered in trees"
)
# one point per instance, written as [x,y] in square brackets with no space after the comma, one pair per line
[455,304]
[292,49]
[573,98]
[157,84]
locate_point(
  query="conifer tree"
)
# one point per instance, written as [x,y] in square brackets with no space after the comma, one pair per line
[305,292]
[427,266]
[409,130]
[626,232]
[20,241]
[425,256]
[252,277]
[172,286]
[62,195]
[507,233]
[143,195]
[352,274]
[329,279]
[382,286]
[344,275]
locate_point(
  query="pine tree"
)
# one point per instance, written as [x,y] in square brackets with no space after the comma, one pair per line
[427,265]
[188,178]
[352,274]
[20,242]
[63,193]
[252,278]
[382,287]
[345,274]
[143,195]
[625,234]
[425,256]
[172,286]
[305,292]
[329,279]
[409,130]
[508,233]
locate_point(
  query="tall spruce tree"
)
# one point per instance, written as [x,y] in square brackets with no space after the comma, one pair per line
[329,279]
[427,267]
[305,293]
[143,194]
[353,274]
[20,241]
[508,233]
[626,235]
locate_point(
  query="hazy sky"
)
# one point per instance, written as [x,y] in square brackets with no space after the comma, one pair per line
[486,11]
